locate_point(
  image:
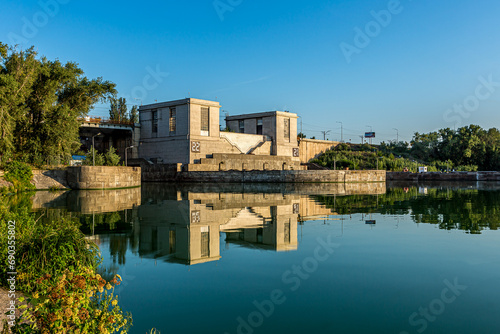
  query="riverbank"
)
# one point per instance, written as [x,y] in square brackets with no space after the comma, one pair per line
[436,176]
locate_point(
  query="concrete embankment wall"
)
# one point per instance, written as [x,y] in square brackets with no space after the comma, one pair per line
[168,173]
[103,177]
[453,176]
[312,148]
[87,177]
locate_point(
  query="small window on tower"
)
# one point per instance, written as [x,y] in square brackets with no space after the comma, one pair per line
[205,121]
[287,128]
[172,121]
[259,126]
[154,123]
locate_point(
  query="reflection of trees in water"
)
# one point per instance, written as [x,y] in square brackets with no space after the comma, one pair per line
[467,210]
[118,248]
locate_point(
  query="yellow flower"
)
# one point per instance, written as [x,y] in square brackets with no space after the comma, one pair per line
[119,277]
[98,276]
[101,289]
[35,295]
[114,302]
[98,312]
[68,312]
[108,286]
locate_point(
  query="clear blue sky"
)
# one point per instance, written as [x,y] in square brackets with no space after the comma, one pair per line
[285,55]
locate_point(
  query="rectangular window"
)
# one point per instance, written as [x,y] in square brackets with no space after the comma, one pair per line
[172,121]
[205,121]
[154,121]
[171,242]
[205,244]
[259,126]
[287,128]
[241,126]
[286,233]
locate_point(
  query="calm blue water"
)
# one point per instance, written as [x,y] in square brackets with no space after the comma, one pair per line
[402,260]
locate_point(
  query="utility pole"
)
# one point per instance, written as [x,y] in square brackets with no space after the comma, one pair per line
[397,135]
[361,139]
[302,133]
[126,160]
[325,133]
[93,149]
[341,132]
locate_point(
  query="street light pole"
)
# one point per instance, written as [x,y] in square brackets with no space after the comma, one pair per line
[397,135]
[126,160]
[341,132]
[93,149]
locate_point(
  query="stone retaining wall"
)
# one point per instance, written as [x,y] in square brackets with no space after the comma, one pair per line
[103,177]
[168,173]
[87,177]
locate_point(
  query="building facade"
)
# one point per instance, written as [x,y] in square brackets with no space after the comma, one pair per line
[187,132]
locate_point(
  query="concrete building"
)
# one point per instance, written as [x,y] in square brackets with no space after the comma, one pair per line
[280,126]
[187,132]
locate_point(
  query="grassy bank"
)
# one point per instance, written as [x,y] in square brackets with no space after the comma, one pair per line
[56,270]
[365,157]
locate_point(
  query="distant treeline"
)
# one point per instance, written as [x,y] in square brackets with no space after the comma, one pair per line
[469,148]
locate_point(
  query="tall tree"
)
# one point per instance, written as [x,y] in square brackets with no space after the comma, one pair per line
[41,101]
[118,109]
[134,115]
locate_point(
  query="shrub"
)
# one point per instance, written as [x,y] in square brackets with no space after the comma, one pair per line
[112,159]
[19,174]
[76,302]
[52,248]
[99,158]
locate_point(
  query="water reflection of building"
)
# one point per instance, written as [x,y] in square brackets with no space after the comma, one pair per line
[188,230]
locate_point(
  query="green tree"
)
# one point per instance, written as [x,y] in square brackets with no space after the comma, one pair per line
[99,158]
[134,115]
[118,109]
[40,102]
[112,159]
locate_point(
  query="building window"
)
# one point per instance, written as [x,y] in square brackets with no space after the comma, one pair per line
[154,123]
[259,126]
[205,242]
[286,233]
[287,129]
[172,124]
[171,242]
[241,126]
[205,121]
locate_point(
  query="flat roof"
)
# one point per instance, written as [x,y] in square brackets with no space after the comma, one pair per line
[178,103]
[262,114]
